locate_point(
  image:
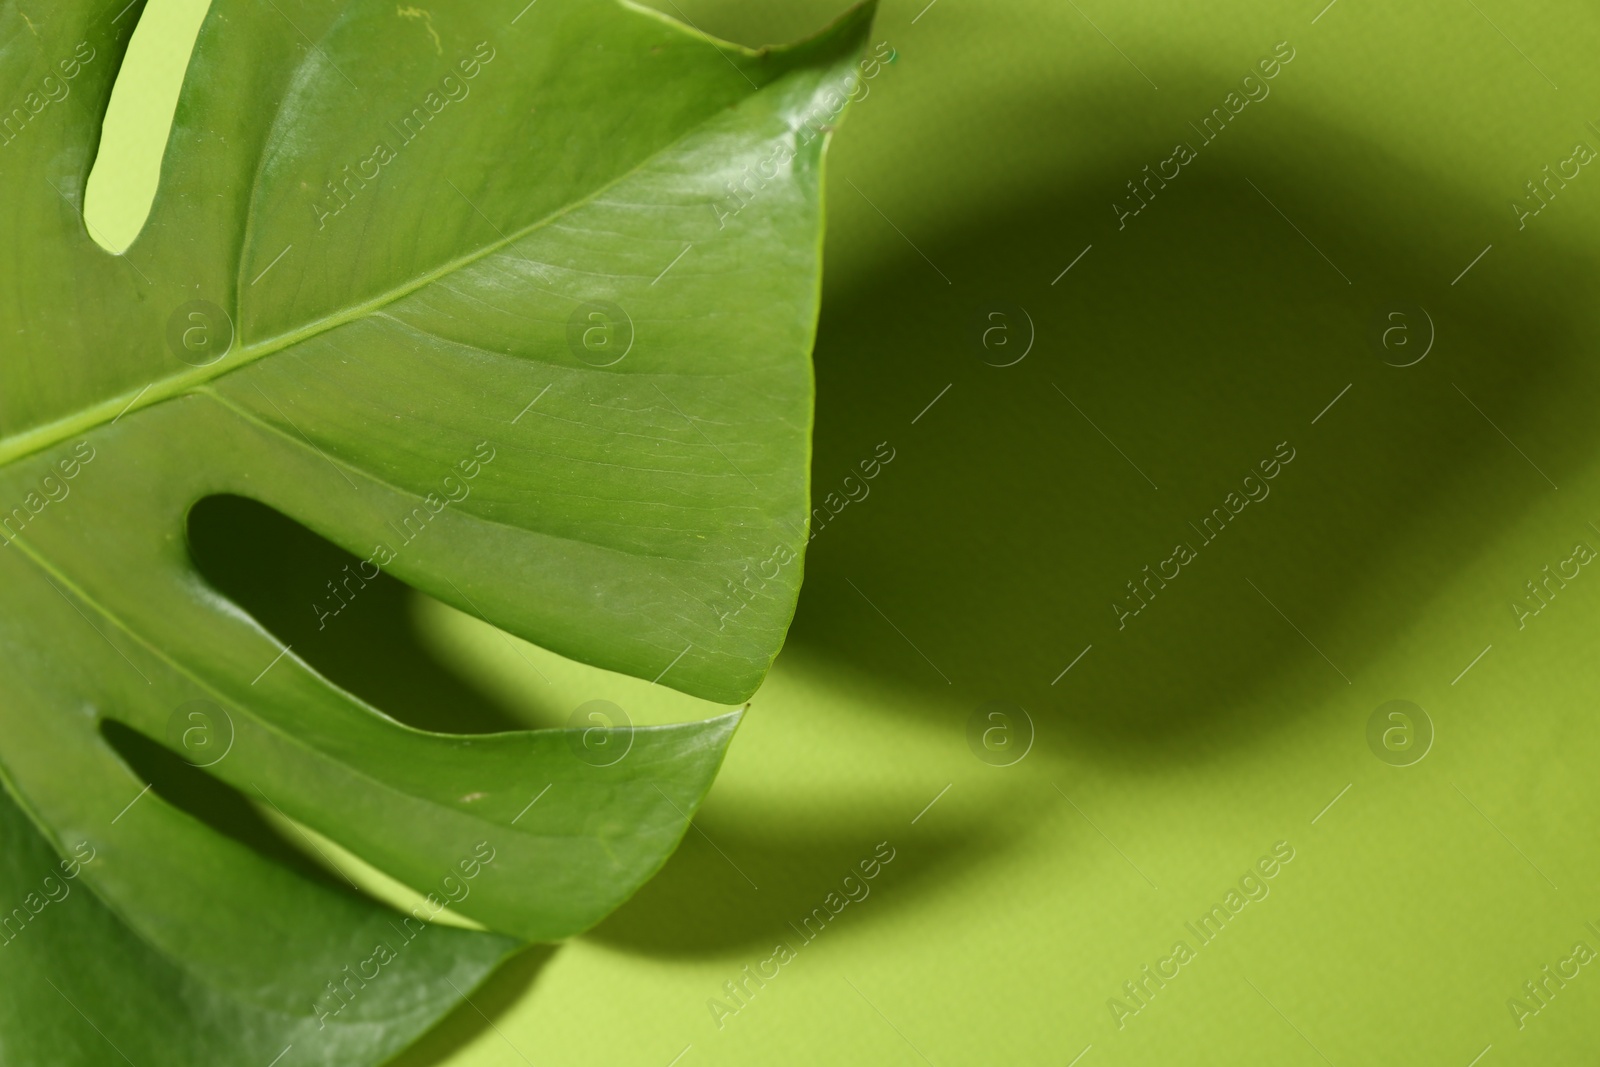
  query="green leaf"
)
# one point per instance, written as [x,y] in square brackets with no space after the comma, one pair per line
[512,301]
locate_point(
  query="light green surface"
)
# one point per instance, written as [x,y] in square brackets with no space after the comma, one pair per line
[1197,338]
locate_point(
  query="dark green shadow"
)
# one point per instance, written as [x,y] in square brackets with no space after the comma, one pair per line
[1173,357]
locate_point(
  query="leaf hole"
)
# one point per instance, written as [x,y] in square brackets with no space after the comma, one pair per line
[138,121]
[358,631]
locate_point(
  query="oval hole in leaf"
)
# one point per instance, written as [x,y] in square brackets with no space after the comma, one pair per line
[133,135]
[357,632]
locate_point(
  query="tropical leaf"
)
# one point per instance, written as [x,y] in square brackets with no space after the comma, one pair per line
[513,301]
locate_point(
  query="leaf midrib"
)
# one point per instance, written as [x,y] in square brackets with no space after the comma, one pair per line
[22,445]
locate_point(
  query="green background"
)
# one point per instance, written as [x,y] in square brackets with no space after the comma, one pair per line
[1225,717]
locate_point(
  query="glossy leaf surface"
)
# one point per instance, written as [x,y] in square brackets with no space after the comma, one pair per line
[512,301]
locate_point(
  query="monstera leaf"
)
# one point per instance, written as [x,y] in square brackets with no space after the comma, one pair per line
[514,302]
